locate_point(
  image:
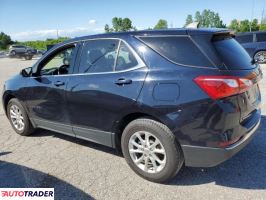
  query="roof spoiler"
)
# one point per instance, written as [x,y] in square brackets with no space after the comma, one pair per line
[223,35]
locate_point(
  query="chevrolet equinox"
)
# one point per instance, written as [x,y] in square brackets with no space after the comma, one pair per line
[166,98]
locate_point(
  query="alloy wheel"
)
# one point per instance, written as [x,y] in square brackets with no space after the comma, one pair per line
[16,117]
[147,152]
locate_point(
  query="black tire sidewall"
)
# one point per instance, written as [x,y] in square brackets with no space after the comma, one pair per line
[174,155]
[27,125]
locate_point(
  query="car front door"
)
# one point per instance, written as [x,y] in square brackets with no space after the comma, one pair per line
[46,90]
[108,82]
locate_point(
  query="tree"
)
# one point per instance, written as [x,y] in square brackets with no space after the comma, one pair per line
[106,28]
[189,20]
[254,25]
[244,25]
[234,25]
[126,24]
[5,40]
[119,24]
[206,18]
[161,24]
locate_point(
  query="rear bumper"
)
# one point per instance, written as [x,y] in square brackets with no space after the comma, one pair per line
[197,156]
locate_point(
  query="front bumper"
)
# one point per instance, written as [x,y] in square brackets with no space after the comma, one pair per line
[197,156]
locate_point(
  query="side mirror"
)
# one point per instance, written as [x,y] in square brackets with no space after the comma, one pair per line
[26,72]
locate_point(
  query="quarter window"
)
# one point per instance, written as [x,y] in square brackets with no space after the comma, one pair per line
[125,59]
[178,49]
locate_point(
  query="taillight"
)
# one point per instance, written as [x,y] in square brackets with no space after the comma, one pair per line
[218,87]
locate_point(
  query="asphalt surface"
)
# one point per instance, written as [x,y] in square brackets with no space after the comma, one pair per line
[83,170]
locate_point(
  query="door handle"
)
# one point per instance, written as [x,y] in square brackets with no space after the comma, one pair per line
[59,83]
[123,81]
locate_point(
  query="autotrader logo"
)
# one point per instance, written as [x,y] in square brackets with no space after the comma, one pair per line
[27,193]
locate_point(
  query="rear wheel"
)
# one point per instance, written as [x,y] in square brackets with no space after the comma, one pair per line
[151,150]
[260,57]
[19,118]
[13,53]
[28,57]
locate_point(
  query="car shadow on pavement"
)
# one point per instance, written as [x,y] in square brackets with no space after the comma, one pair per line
[106,149]
[18,176]
[245,170]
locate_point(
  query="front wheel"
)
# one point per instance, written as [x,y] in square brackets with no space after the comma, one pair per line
[151,150]
[19,118]
[260,57]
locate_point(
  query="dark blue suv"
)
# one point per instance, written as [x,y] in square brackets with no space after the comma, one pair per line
[167,98]
[255,44]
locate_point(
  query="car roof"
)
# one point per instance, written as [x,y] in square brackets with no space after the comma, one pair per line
[179,31]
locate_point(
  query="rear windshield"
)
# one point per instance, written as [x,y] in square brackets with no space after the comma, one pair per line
[232,54]
[178,49]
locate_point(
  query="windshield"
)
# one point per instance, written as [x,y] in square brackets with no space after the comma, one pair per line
[232,54]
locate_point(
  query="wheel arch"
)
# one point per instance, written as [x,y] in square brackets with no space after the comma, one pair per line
[125,120]
[6,98]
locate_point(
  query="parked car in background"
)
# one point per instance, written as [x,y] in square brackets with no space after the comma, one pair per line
[255,44]
[21,49]
[167,98]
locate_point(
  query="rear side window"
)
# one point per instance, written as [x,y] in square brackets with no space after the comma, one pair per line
[106,55]
[232,54]
[98,56]
[244,38]
[178,49]
[261,37]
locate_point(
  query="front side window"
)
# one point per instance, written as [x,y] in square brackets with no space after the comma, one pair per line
[59,63]
[178,49]
[98,56]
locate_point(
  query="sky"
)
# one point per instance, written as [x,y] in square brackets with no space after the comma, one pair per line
[40,19]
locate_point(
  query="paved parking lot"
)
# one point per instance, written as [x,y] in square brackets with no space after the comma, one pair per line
[83,170]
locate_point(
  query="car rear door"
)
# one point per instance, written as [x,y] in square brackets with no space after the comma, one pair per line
[108,82]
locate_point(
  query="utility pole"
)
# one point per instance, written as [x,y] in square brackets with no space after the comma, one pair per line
[57,35]
[262,18]
[252,13]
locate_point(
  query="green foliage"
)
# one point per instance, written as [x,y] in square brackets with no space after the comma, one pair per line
[119,24]
[189,20]
[5,40]
[41,45]
[206,18]
[263,27]
[263,24]
[161,24]
[244,25]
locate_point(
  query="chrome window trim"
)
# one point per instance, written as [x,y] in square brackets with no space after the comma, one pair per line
[141,63]
[85,74]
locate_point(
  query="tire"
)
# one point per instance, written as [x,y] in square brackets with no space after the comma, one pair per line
[260,57]
[27,128]
[28,57]
[13,53]
[173,158]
